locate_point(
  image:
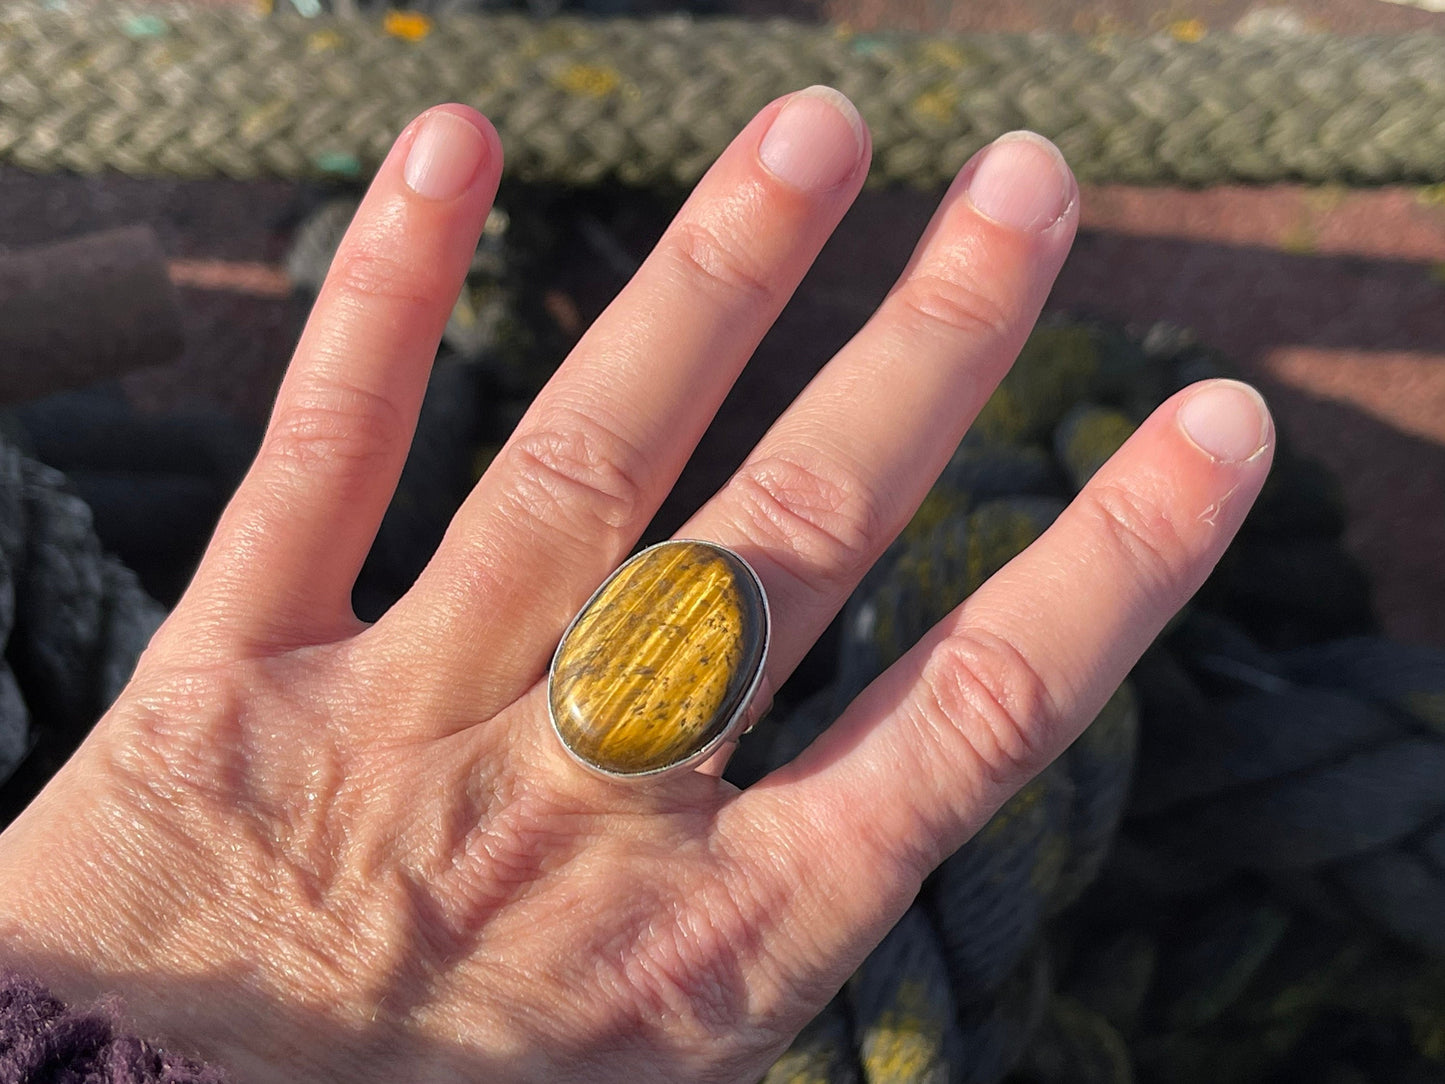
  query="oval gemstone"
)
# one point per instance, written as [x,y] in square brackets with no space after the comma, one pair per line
[660,662]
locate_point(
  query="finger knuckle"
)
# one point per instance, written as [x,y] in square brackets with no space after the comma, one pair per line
[1141,533]
[718,258]
[156,758]
[574,473]
[367,273]
[818,524]
[337,428]
[981,691]
[691,972]
[953,303]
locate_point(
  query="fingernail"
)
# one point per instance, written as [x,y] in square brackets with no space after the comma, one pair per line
[1227,419]
[445,154]
[1022,181]
[815,141]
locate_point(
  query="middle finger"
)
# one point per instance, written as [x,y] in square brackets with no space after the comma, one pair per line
[588,465]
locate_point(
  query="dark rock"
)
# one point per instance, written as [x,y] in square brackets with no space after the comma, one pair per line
[58,595]
[14,724]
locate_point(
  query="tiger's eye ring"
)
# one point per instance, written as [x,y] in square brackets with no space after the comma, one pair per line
[664,663]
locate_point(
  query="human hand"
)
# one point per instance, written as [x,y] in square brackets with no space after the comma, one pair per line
[316,850]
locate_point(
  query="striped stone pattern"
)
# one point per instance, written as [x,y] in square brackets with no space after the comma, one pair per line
[659,662]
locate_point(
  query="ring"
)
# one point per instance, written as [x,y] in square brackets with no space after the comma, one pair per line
[664,663]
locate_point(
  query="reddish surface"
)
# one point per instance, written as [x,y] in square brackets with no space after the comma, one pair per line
[1335,303]
[1128,16]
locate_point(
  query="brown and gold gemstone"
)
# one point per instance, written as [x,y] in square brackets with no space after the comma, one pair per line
[661,661]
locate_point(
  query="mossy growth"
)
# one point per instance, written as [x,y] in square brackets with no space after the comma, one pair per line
[905,1041]
[940,506]
[1087,437]
[822,1053]
[1056,368]
[1001,530]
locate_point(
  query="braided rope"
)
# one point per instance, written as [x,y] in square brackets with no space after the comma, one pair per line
[73,621]
[1324,762]
[188,92]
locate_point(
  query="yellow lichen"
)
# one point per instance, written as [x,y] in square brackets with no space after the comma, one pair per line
[1187,30]
[1050,858]
[589,80]
[946,53]
[407,25]
[1055,369]
[938,507]
[996,535]
[263,119]
[905,1041]
[1092,439]
[939,105]
[1027,803]
[1299,239]
[322,41]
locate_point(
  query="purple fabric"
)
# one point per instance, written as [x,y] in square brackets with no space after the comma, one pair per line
[42,1041]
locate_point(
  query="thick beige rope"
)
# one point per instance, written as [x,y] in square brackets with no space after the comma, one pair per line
[197,93]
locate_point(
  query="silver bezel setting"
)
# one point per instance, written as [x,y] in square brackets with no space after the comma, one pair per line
[742,718]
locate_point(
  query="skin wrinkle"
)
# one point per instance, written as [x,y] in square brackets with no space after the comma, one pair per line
[680,987]
[363,293]
[65,913]
[870,517]
[584,399]
[216,630]
[330,420]
[716,245]
[632,347]
[713,259]
[515,851]
[376,233]
[1135,524]
[946,308]
[919,859]
[224,898]
[308,855]
[582,470]
[958,245]
[684,347]
[820,528]
[389,317]
[465,569]
[982,689]
[229,618]
[762,897]
[289,925]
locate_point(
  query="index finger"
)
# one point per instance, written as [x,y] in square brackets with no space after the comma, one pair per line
[929,751]
[288,549]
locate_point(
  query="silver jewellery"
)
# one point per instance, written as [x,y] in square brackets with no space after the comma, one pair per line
[664,664]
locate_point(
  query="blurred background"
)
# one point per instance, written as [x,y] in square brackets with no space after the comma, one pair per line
[1264,196]
[1329,296]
